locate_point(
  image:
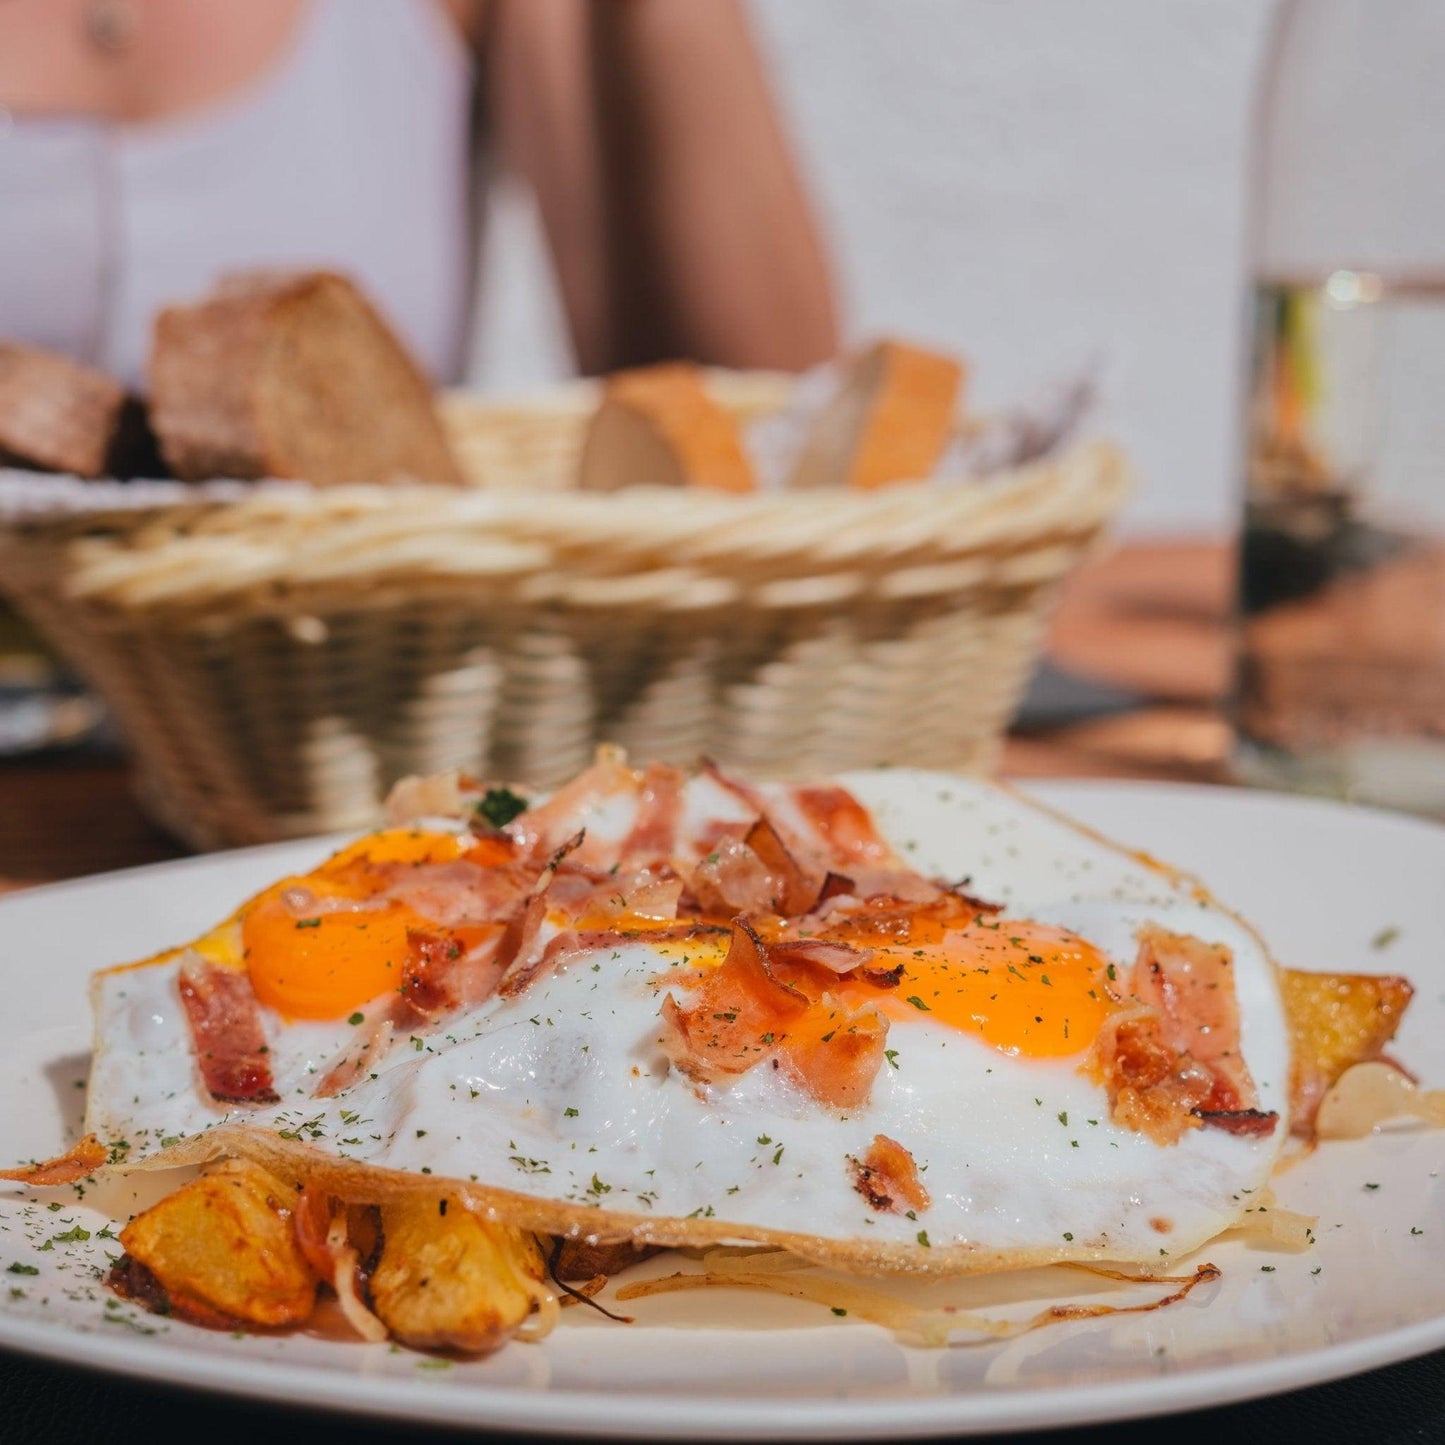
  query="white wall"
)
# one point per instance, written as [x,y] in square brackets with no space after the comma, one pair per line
[1034,183]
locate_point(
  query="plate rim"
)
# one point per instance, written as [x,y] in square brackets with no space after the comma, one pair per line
[661,1413]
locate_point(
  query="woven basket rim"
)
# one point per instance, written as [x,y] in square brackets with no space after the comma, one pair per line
[288,548]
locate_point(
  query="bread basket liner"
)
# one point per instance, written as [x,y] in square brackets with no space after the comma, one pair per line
[278,655]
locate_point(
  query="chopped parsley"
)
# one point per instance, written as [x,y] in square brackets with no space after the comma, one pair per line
[500,805]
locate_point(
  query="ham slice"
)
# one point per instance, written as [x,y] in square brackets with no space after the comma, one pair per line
[760,1004]
[736,1018]
[78,1162]
[226,1035]
[449,970]
[653,838]
[887,1178]
[1172,1061]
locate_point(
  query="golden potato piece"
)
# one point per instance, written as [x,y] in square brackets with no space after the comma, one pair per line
[223,1249]
[1336,1020]
[448,1279]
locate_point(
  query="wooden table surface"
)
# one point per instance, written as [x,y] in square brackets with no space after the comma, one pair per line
[1149,618]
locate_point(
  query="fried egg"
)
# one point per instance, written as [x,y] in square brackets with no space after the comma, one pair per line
[919,1050]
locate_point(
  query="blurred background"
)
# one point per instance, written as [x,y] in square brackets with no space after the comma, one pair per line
[1223,219]
[1046,187]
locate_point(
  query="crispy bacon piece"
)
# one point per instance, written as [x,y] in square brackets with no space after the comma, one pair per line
[358,1060]
[462,892]
[795,888]
[1173,1061]
[835,1053]
[445,971]
[730,880]
[887,1178]
[823,954]
[749,1009]
[739,1015]
[226,1036]
[653,838]
[79,1161]
[565,816]
[844,825]
[1254,1122]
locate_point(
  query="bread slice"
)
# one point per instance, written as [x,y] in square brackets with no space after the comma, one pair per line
[56,414]
[889,421]
[292,375]
[658,425]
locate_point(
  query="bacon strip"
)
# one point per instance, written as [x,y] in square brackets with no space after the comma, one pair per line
[565,816]
[825,953]
[794,888]
[226,1036]
[1173,1061]
[844,826]
[78,1162]
[354,1063]
[445,971]
[653,838]
[732,879]
[835,1054]
[739,1015]
[887,1177]
[748,1010]
[1191,983]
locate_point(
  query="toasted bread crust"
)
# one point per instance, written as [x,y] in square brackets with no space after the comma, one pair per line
[56,414]
[888,423]
[658,424]
[291,375]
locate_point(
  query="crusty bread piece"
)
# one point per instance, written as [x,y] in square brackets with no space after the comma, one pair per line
[888,422]
[291,375]
[658,425]
[54,413]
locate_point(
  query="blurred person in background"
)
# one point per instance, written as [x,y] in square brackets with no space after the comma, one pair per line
[147,146]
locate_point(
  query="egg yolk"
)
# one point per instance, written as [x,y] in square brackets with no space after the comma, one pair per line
[1025,988]
[326,964]
[312,953]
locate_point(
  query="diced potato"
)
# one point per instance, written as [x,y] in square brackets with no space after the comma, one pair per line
[223,1249]
[448,1279]
[1336,1020]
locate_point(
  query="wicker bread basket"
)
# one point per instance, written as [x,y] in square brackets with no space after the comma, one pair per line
[277,656]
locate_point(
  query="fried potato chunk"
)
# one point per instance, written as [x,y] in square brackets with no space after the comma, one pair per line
[1336,1020]
[448,1279]
[223,1249]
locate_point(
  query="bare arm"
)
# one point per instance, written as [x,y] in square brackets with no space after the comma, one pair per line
[676,218]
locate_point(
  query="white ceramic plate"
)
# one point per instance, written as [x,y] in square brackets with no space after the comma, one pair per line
[1330,888]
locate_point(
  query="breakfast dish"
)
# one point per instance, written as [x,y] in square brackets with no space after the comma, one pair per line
[1358,1297]
[539,1043]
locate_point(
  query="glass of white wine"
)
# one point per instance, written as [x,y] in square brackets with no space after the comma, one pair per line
[1340,685]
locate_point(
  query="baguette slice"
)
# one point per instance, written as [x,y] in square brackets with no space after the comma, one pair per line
[657,425]
[292,375]
[889,421]
[56,414]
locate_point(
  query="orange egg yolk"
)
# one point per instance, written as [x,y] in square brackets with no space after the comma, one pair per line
[1025,988]
[327,962]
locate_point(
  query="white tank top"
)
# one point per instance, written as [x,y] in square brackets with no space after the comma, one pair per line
[353,154]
